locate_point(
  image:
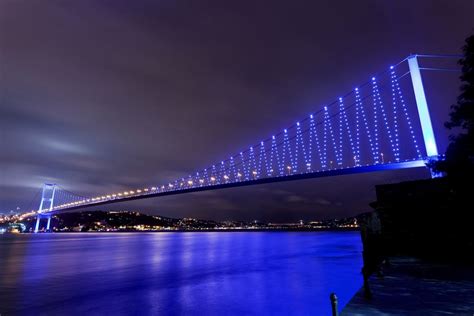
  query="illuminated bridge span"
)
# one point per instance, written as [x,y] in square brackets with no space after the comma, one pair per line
[382,124]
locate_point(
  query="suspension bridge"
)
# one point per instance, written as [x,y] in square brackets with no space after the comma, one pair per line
[383,124]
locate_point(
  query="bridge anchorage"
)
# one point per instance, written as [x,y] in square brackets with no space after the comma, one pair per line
[370,128]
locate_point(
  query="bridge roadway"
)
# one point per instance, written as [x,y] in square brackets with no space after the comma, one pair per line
[310,175]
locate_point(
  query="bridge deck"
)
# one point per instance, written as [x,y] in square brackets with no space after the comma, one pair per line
[320,174]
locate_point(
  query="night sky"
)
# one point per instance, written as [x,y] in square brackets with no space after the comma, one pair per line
[105,96]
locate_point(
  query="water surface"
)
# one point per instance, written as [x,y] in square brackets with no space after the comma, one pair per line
[203,273]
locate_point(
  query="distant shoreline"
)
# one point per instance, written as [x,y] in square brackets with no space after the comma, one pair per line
[246,230]
[134,221]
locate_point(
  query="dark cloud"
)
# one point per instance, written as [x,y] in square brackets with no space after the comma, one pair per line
[100,96]
[322,201]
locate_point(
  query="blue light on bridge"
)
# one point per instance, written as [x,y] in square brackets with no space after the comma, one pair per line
[357,132]
[422,106]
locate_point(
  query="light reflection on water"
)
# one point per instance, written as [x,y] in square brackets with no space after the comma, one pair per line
[211,273]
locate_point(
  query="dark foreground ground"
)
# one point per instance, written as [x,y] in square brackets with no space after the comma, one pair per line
[414,287]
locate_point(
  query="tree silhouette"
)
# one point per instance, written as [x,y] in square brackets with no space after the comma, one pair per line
[459,161]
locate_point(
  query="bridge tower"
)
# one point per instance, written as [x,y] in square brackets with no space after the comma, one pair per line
[423,111]
[46,205]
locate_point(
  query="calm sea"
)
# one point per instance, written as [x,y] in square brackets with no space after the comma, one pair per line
[203,273]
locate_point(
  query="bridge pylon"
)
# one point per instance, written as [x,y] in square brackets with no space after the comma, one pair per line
[423,111]
[46,205]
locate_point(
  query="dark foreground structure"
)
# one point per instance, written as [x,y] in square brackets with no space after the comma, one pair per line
[418,250]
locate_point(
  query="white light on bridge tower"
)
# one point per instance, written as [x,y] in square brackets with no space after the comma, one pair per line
[46,197]
[422,106]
